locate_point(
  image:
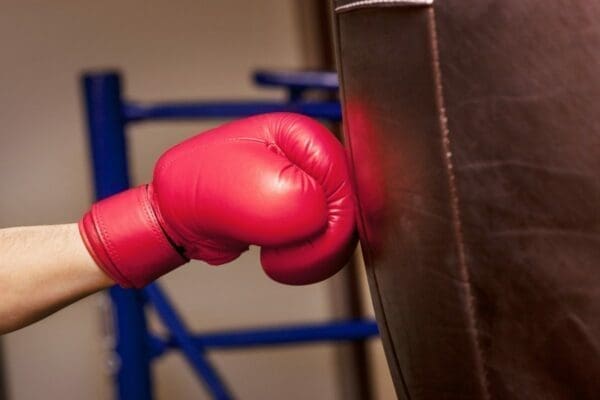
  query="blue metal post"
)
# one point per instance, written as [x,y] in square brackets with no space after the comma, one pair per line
[329,110]
[108,146]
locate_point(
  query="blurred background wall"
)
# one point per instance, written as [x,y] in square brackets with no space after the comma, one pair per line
[166,50]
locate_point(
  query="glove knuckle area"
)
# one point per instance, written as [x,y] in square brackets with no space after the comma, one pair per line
[309,145]
[286,206]
[317,158]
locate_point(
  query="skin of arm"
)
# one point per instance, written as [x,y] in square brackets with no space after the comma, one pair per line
[43,269]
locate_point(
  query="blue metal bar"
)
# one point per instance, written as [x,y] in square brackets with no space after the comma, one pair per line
[102,94]
[182,338]
[329,110]
[304,80]
[284,335]
[306,333]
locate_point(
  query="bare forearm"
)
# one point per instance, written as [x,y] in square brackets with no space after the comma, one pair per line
[43,269]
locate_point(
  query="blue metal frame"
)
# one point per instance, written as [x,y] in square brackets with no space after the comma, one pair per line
[107,116]
[178,111]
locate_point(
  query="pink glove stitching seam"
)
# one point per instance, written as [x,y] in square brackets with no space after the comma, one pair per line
[113,258]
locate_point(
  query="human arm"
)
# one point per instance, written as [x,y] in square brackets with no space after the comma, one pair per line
[43,269]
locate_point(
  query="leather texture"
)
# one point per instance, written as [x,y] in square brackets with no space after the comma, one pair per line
[279,181]
[474,143]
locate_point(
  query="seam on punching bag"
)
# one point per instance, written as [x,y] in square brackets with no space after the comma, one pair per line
[455,206]
[385,3]
[368,253]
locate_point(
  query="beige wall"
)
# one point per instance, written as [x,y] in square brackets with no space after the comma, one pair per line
[167,50]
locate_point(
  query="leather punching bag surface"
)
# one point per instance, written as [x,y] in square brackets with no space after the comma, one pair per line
[473,128]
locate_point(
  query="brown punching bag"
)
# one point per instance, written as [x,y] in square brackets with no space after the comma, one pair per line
[473,130]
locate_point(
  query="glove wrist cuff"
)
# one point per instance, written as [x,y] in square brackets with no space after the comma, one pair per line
[124,236]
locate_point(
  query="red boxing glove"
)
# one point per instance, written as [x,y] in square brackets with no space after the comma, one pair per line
[279,181]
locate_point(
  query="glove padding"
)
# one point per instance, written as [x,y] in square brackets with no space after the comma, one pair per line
[279,181]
